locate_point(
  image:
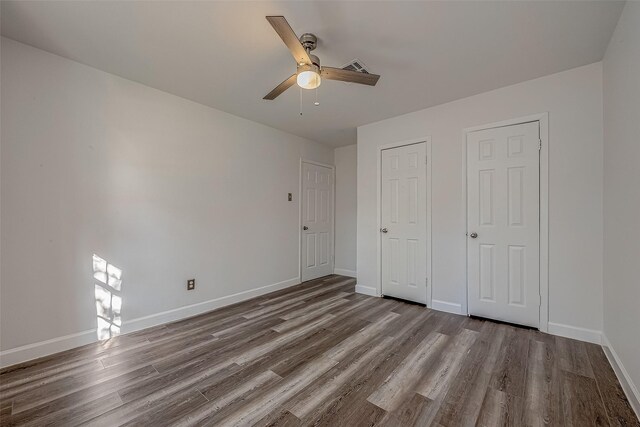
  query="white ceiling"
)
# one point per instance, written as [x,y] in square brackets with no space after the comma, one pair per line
[227,56]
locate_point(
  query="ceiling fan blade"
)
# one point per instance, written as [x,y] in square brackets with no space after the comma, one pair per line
[282,27]
[281,87]
[349,76]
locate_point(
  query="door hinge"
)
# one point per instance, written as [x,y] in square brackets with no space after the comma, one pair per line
[539,144]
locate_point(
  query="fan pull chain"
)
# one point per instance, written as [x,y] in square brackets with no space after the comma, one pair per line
[300,101]
[316,103]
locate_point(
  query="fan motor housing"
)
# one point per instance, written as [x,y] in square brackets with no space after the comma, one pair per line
[315,60]
[309,67]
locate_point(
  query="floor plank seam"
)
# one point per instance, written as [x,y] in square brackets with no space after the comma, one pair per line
[202,394]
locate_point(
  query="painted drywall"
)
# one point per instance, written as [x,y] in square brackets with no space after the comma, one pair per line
[161,187]
[621,67]
[573,100]
[346,162]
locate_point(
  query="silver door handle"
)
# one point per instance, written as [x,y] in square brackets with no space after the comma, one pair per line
[473,235]
[305,228]
[383,230]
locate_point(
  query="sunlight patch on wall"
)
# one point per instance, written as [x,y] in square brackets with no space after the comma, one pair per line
[107,297]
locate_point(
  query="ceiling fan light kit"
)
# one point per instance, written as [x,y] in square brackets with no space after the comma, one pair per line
[308,77]
[309,73]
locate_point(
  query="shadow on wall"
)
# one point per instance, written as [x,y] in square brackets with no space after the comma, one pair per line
[108,297]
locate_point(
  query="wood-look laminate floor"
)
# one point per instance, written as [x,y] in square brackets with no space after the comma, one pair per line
[319,354]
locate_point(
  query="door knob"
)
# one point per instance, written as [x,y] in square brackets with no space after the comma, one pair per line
[305,228]
[383,230]
[473,235]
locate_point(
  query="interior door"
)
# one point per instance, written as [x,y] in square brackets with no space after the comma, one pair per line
[403,222]
[503,223]
[317,221]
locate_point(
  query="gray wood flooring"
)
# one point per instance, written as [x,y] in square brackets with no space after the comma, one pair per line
[319,354]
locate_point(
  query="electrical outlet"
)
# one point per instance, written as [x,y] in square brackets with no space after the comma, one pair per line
[290,196]
[191,284]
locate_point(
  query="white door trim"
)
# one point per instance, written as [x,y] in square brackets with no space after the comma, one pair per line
[543,119]
[333,214]
[427,141]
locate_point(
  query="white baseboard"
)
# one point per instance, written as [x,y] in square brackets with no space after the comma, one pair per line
[367,290]
[201,307]
[575,332]
[44,348]
[55,345]
[629,388]
[344,272]
[448,307]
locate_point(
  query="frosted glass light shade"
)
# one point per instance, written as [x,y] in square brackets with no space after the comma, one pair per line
[308,79]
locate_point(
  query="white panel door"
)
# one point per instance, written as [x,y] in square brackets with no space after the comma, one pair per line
[403,222]
[317,221]
[503,223]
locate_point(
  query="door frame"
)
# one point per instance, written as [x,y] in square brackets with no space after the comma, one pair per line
[543,120]
[333,214]
[427,141]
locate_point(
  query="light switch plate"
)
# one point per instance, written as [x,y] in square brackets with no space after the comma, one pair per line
[290,196]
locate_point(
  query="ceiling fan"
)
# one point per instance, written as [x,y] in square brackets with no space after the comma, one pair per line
[309,74]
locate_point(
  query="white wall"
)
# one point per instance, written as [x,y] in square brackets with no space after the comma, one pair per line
[574,101]
[622,194]
[161,187]
[346,161]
